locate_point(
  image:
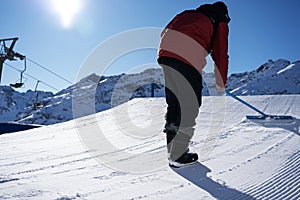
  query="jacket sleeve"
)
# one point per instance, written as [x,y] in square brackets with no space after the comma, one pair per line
[220,54]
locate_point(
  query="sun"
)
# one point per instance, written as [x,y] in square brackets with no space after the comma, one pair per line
[66,11]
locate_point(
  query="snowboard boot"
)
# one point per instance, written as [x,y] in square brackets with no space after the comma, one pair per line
[179,151]
[185,159]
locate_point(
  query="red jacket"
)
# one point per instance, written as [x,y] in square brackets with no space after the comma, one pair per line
[188,37]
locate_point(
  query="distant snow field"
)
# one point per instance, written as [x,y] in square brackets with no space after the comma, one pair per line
[239,158]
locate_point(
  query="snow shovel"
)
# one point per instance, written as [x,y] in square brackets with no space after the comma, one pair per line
[262,114]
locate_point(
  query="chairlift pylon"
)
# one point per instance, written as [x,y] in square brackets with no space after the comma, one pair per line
[7,53]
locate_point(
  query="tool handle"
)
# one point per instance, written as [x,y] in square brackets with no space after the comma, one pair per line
[244,102]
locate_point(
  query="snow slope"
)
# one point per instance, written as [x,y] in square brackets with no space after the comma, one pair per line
[239,159]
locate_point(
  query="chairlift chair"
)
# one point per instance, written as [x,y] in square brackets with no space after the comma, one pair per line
[37,104]
[21,83]
[16,85]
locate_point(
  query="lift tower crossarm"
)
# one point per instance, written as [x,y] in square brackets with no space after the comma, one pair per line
[7,53]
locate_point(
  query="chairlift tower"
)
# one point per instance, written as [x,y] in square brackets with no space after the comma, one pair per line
[7,53]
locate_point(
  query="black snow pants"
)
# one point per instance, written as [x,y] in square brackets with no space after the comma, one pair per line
[183,88]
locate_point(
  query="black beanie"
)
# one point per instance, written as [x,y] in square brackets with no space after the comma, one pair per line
[216,11]
[220,4]
[222,9]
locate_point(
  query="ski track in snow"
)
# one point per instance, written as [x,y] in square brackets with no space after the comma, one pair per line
[246,159]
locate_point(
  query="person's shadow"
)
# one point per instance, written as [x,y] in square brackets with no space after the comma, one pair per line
[197,174]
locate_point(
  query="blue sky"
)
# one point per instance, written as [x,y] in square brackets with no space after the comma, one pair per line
[259,30]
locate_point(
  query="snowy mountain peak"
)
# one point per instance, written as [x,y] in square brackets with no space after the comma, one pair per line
[273,64]
[93,78]
[273,77]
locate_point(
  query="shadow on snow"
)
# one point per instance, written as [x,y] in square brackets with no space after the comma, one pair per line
[197,174]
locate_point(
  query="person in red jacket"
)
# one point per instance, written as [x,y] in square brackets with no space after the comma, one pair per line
[185,43]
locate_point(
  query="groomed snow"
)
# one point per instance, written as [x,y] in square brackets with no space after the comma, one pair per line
[239,159]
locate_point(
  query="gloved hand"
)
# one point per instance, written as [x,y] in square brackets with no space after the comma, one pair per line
[222,88]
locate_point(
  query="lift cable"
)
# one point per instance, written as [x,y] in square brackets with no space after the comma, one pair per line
[39,65]
[33,77]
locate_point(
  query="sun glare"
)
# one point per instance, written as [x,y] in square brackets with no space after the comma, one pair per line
[67,10]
